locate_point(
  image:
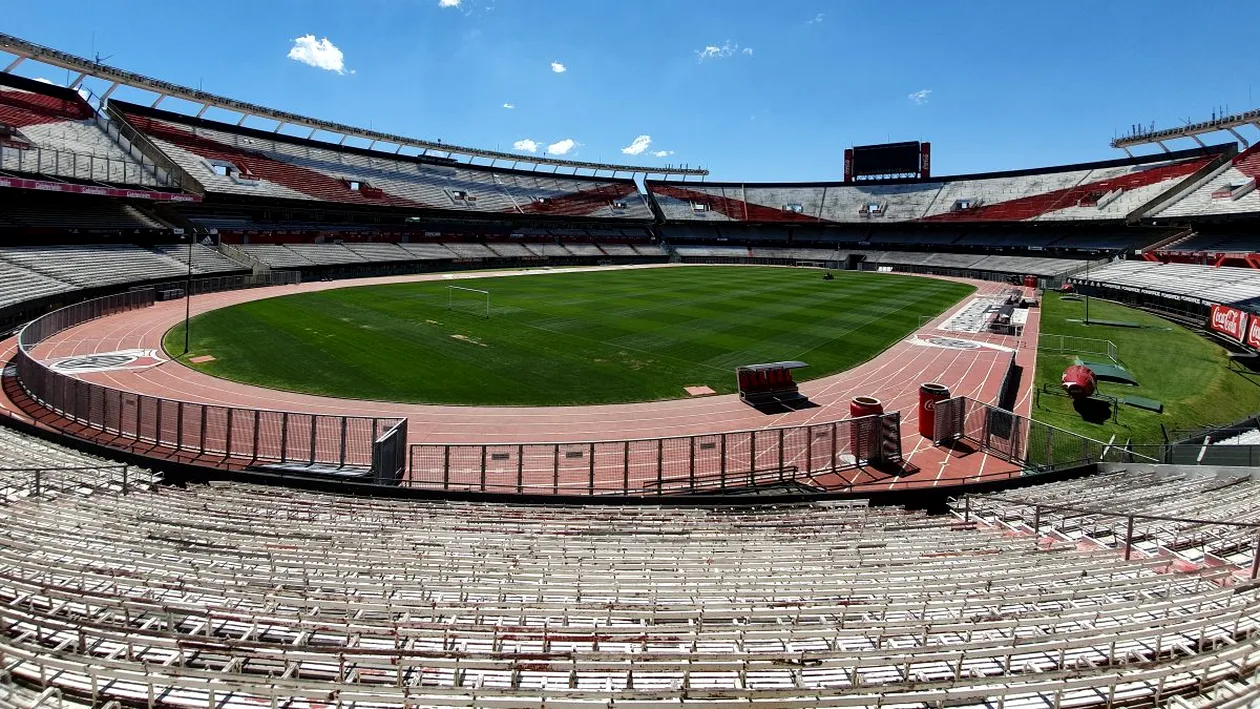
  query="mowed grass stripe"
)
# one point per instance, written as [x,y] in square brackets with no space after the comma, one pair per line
[573,338]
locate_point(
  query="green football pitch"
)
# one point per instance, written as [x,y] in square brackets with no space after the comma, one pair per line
[561,338]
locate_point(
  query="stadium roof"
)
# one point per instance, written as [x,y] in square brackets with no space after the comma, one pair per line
[23,50]
[1192,131]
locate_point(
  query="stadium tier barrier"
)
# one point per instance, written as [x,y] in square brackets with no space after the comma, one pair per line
[231,435]
[1038,447]
[704,463]
[1126,528]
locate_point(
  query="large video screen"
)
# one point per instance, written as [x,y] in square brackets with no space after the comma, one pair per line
[886,159]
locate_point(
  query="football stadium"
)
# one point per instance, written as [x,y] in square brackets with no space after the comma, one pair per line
[297,413]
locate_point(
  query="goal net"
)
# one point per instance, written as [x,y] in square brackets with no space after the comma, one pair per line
[468,300]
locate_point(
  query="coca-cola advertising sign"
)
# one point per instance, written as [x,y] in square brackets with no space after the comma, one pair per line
[1253,334]
[1229,321]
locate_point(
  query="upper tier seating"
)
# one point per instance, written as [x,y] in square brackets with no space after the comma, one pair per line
[1183,281]
[1194,495]
[1232,191]
[1091,192]
[94,265]
[31,209]
[271,166]
[235,595]
[63,139]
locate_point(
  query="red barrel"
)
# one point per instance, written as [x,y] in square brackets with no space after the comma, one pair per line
[1030,281]
[862,443]
[929,394]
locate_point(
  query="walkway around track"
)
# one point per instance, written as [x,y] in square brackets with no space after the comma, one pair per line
[969,364]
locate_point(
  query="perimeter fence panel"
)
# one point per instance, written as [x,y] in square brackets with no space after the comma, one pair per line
[243,435]
[649,467]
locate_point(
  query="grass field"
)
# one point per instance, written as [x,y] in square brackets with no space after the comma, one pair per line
[564,338]
[1187,372]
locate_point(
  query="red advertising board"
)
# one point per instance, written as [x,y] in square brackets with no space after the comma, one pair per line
[21,184]
[1253,334]
[1229,321]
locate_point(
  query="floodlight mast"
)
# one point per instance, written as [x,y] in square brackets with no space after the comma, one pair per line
[22,50]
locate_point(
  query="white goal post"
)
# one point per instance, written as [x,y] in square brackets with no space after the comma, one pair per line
[453,291]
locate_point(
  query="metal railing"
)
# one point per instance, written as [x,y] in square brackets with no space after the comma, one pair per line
[38,481]
[1038,447]
[1193,534]
[79,166]
[717,462]
[232,435]
[1069,344]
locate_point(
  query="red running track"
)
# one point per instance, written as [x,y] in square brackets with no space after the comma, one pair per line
[892,376]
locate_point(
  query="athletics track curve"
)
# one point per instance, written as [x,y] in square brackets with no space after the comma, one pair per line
[970,364]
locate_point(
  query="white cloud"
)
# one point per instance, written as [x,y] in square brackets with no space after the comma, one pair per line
[561,147]
[526,145]
[43,80]
[817,18]
[638,145]
[920,97]
[321,54]
[662,153]
[713,51]
[558,67]
[449,3]
[509,105]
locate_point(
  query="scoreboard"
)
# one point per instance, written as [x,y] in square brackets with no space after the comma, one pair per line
[888,160]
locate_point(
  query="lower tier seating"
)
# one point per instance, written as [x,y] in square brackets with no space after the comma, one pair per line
[235,595]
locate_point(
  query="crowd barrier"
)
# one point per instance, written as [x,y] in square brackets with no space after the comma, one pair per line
[1069,344]
[702,463]
[1038,447]
[1127,528]
[235,436]
[23,483]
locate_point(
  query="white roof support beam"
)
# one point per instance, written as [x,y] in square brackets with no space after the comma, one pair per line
[158,100]
[22,50]
[204,107]
[110,90]
[1236,134]
[78,80]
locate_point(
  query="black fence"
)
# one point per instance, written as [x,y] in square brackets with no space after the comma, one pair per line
[707,463]
[389,455]
[234,436]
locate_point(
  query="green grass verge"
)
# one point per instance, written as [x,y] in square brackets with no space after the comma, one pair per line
[564,338]
[1187,372]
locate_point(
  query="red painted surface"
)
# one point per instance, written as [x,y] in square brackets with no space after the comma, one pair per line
[23,108]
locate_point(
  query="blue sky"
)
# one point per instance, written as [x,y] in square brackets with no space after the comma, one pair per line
[751,89]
